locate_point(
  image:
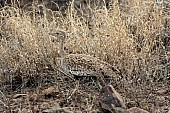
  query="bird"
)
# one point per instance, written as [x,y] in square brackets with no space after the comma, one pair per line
[83,65]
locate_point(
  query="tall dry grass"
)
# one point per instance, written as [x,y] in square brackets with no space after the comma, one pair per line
[130,37]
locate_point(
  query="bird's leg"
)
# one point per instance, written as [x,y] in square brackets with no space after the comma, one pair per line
[101,82]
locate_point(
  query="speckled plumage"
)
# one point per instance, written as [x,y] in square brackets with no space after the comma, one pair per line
[86,65]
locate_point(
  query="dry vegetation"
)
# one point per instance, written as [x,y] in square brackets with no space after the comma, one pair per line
[134,37]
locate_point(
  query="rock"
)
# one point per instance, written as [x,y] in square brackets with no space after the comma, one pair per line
[111,101]
[137,110]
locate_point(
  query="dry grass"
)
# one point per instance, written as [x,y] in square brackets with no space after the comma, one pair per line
[132,38]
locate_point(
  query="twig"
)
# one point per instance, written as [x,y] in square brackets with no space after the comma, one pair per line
[4,98]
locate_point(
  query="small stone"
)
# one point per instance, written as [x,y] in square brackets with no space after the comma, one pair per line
[137,110]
